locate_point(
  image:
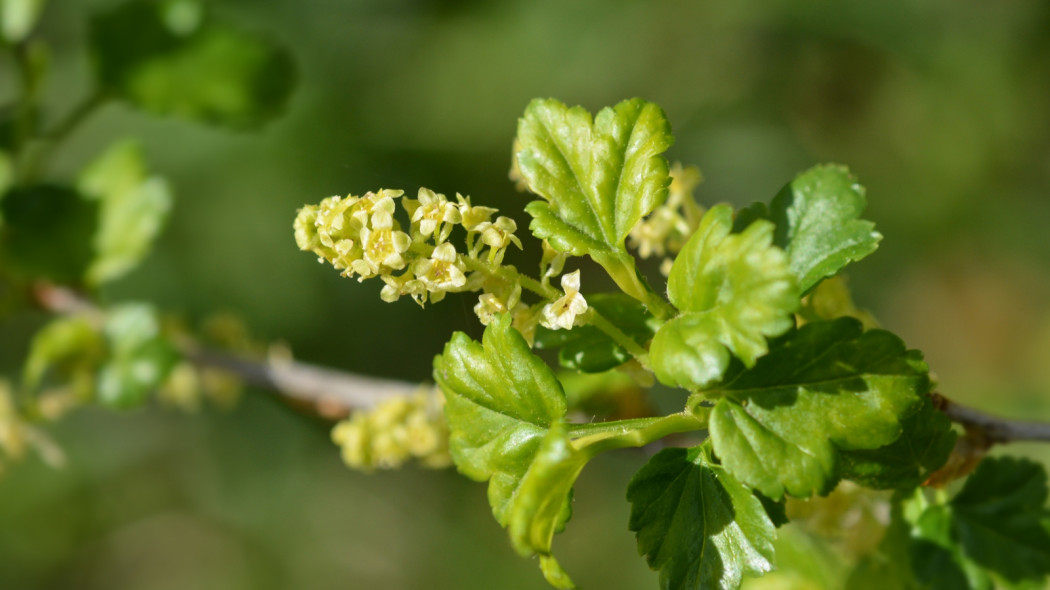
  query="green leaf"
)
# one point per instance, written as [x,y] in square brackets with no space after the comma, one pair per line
[18,18]
[936,559]
[140,358]
[1001,521]
[68,345]
[588,349]
[542,504]
[169,58]
[830,386]
[133,205]
[924,447]
[817,218]
[500,401]
[696,523]
[734,290]
[504,408]
[600,178]
[47,231]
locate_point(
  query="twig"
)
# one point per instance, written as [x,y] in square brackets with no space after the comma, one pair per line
[331,391]
[996,429]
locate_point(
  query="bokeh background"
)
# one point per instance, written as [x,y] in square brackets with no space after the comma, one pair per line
[941,108]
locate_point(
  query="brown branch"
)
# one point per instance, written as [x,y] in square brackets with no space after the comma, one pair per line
[332,392]
[994,428]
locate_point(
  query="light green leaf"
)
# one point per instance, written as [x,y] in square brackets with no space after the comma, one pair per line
[139,358]
[601,178]
[542,504]
[133,208]
[924,447]
[70,344]
[18,18]
[818,223]
[830,386]
[734,291]
[697,524]
[169,58]
[500,401]
[504,408]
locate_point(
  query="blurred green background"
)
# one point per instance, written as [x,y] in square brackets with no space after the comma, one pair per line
[941,108]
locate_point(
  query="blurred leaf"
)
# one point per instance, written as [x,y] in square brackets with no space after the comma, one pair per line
[922,448]
[47,232]
[133,205]
[588,349]
[68,344]
[139,360]
[734,290]
[18,17]
[817,219]
[829,386]
[7,173]
[1001,520]
[696,523]
[168,58]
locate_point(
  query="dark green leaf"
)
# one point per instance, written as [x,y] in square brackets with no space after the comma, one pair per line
[1001,521]
[734,290]
[133,205]
[697,524]
[169,58]
[47,232]
[921,449]
[830,386]
[588,349]
[817,218]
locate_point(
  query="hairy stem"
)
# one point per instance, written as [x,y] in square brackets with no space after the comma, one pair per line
[996,429]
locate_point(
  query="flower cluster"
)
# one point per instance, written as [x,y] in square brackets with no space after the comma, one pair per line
[669,226]
[397,430]
[360,236]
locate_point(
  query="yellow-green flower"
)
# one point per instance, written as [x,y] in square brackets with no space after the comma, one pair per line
[561,315]
[434,214]
[442,272]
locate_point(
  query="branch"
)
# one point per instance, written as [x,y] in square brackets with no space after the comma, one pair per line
[332,392]
[994,428]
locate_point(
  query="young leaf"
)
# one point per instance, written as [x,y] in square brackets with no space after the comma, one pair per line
[734,290]
[588,349]
[500,401]
[67,344]
[504,408]
[697,524]
[818,223]
[542,504]
[1001,521]
[600,178]
[830,386]
[905,463]
[168,58]
[133,206]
